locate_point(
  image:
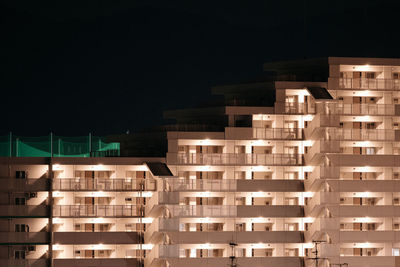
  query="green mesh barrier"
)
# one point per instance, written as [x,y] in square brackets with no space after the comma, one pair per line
[57,146]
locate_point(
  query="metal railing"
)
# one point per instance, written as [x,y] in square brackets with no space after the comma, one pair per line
[203,210]
[97,210]
[297,108]
[238,159]
[369,83]
[359,134]
[103,184]
[202,184]
[358,109]
[277,133]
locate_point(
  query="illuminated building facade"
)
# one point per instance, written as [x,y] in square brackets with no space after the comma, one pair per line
[320,164]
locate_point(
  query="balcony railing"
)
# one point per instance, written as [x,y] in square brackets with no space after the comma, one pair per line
[24,238]
[238,159]
[277,133]
[298,108]
[27,185]
[369,83]
[358,109]
[360,134]
[202,184]
[242,185]
[96,211]
[203,210]
[24,211]
[90,184]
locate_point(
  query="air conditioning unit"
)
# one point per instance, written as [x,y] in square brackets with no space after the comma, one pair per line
[32,194]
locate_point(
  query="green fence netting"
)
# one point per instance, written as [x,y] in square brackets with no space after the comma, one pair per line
[57,146]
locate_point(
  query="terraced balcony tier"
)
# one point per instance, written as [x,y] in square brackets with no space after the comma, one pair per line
[229,185]
[107,184]
[97,211]
[235,159]
[24,211]
[24,185]
[96,238]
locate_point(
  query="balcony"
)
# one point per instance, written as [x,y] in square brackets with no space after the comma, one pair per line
[228,185]
[359,109]
[270,185]
[372,261]
[97,262]
[160,254]
[202,211]
[247,133]
[24,185]
[32,238]
[377,160]
[26,211]
[235,159]
[224,237]
[96,238]
[364,211]
[293,108]
[89,184]
[212,185]
[369,83]
[25,263]
[365,185]
[97,211]
[369,236]
[282,211]
[241,261]
[360,134]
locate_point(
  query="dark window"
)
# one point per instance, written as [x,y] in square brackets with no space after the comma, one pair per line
[20,174]
[20,201]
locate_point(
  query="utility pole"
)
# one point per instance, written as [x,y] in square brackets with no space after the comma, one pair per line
[315,252]
[233,258]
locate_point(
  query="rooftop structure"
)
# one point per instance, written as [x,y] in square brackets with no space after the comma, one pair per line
[57,146]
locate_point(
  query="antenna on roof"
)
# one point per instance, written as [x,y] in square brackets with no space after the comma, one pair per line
[232,258]
[316,258]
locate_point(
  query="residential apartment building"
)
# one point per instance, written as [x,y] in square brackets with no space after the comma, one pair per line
[319,169]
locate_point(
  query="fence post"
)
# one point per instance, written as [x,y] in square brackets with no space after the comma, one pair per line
[51,144]
[10,144]
[90,144]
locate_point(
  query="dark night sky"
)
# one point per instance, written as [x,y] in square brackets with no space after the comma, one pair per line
[109,66]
